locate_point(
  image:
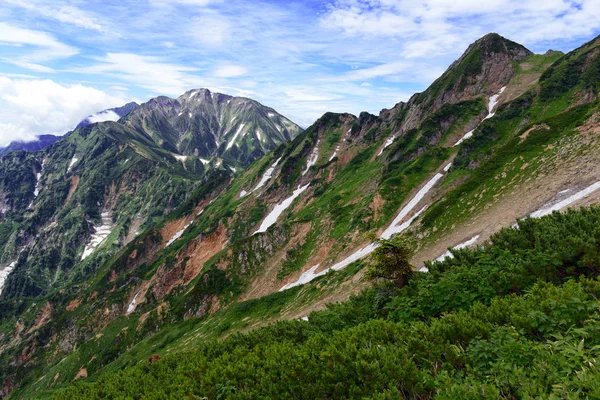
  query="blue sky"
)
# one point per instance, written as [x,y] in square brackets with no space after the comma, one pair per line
[63,60]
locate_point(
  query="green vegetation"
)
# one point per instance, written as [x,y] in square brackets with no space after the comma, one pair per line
[518,318]
[391,262]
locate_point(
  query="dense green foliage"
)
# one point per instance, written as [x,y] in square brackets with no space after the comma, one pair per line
[518,318]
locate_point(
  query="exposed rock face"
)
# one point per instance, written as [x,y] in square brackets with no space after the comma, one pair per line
[206,124]
[485,67]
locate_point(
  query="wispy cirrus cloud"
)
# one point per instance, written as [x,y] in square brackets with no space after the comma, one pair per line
[64,13]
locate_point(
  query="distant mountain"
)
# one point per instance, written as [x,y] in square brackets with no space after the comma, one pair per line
[43,141]
[207,124]
[122,177]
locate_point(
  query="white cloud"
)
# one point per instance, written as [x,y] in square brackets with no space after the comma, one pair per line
[374,72]
[48,47]
[104,116]
[427,27]
[33,107]
[211,29]
[63,13]
[229,71]
[150,72]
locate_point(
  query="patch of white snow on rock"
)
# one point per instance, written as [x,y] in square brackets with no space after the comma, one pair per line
[395,227]
[178,234]
[493,101]
[279,209]
[267,175]
[235,137]
[73,161]
[4,271]
[548,209]
[101,232]
[387,144]
[312,159]
[133,304]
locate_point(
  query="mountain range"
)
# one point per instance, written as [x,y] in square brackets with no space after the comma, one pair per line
[199,217]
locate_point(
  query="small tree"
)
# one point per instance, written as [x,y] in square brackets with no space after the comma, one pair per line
[392,261]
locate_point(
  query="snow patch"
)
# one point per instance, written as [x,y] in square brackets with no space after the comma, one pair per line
[447,167]
[566,202]
[259,136]
[178,235]
[312,159]
[387,144]
[279,209]
[190,114]
[38,176]
[334,153]
[267,175]
[4,271]
[73,161]
[243,193]
[271,115]
[235,137]
[394,228]
[465,137]
[462,245]
[493,101]
[101,232]
[180,114]
[132,305]
[204,161]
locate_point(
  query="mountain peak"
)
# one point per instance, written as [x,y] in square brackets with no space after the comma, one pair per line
[494,43]
[486,66]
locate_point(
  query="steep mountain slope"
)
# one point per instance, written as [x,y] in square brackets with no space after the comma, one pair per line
[205,124]
[517,318]
[103,184]
[480,148]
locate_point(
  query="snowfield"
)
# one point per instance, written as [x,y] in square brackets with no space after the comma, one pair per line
[334,153]
[235,137]
[387,144]
[312,159]
[101,232]
[492,103]
[73,161]
[462,245]
[178,234]
[394,228]
[132,305]
[266,176]
[279,209]
[545,210]
[4,271]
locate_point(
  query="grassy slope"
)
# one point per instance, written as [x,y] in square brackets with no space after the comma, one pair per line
[511,319]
